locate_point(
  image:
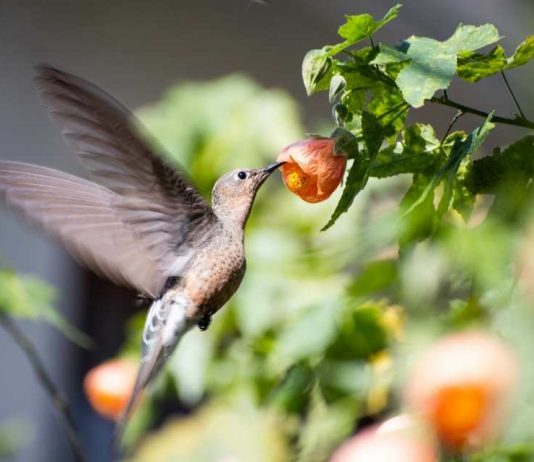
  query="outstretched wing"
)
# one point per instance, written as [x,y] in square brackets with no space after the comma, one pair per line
[164,207]
[137,229]
[82,216]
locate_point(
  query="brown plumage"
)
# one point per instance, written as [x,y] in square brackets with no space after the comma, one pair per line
[141,224]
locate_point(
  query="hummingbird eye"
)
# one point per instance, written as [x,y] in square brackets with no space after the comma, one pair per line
[241,175]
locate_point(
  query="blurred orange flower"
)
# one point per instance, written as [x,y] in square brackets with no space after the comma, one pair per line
[109,385]
[463,385]
[312,170]
[400,439]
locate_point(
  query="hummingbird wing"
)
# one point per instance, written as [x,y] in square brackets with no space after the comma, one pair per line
[155,202]
[83,216]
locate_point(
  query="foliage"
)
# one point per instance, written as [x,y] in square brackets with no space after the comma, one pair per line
[316,335]
[431,233]
[25,297]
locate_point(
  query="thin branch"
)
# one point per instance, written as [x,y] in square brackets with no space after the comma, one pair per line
[57,399]
[453,121]
[512,94]
[517,122]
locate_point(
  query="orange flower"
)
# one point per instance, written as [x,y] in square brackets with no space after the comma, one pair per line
[463,386]
[109,386]
[400,439]
[312,171]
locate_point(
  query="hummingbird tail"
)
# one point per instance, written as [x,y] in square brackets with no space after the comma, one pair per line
[147,370]
[165,325]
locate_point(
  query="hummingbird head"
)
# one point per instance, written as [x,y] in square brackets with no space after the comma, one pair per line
[234,193]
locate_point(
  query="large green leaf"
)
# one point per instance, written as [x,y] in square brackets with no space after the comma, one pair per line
[431,68]
[433,63]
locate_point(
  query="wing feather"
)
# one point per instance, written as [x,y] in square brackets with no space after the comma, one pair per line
[83,217]
[141,223]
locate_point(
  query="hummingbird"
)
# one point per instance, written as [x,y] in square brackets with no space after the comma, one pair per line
[141,223]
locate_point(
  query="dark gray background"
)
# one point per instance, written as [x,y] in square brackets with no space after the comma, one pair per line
[135,49]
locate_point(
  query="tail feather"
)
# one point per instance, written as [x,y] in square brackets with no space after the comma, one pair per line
[148,369]
[165,325]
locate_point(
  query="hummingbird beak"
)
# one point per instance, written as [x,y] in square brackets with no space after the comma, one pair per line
[272,167]
[265,172]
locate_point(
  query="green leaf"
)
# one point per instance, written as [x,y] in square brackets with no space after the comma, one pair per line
[473,67]
[292,395]
[29,298]
[433,64]
[358,27]
[417,226]
[417,152]
[359,171]
[325,427]
[295,343]
[360,334]
[464,313]
[389,109]
[463,199]
[389,55]
[460,150]
[513,164]
[471,38]
[431,68]
[315,67]
[523,54]
[375,276]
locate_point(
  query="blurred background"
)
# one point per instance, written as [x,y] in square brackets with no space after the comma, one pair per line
[219,85]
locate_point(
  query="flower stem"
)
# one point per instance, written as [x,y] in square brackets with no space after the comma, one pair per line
[512,94]
[56,397]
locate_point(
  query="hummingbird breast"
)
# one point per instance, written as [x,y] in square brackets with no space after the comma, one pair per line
[214,274]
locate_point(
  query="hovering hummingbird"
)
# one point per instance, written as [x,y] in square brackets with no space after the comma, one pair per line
[142,224]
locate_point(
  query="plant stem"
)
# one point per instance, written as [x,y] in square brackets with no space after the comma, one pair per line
[517,122]
[512,94]
[57,399]
[453,121]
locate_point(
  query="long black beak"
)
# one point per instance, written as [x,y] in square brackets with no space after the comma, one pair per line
[272,167]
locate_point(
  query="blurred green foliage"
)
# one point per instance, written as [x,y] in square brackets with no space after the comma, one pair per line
[27,298]
[325,326]
[323,331]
